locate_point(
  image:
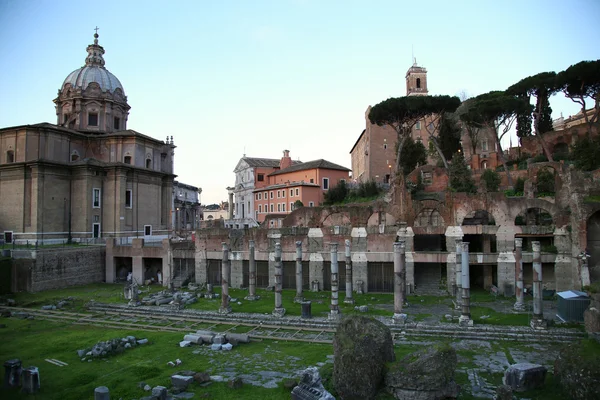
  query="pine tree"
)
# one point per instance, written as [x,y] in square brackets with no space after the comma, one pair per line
[461,178]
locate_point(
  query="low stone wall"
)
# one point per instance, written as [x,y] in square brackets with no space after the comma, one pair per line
[47,269]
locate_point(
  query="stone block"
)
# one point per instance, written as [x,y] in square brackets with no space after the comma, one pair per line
[101,393]
[219,339]
[525,376]
[31,380]
[215,346]
[226,346]
[181,382]
[185,343]
[159,392]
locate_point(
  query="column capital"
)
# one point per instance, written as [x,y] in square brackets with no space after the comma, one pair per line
[536,246]
[519,242]
[251,243]
[465,247]
[298,244]
[224,246]
[400,246]
[333,245]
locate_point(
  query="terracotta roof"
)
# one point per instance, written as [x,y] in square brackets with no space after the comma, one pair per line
[265,162]
[316,164]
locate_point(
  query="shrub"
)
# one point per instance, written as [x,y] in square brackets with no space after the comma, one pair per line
[540,158]
[545,182]
[491,180]
[336,194]
[520,185]
[586,154]
[461,179]
[367,189]
[298,204]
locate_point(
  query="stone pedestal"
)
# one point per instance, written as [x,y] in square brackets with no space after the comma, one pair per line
[31,380]
[12,373]
[101,393]
[306,309]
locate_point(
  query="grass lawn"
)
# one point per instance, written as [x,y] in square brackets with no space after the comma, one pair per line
[33,341]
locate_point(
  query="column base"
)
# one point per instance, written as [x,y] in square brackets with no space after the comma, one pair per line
[539,323]
[279,312]
[465,321]
[348,301]
[399,318]
[252,297]
[225,310]
[298,299]
[334,315]
[519,306]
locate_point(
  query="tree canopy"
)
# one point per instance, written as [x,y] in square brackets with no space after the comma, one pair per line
[496,110]
[542,86]
[581,81]
[413,153]
[402,113]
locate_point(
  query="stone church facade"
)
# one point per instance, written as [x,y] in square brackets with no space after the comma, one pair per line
[87,176]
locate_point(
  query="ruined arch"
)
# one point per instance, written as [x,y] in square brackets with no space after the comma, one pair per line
[534,216]
[336,219]
[560,148]
[479,217]
[429,217]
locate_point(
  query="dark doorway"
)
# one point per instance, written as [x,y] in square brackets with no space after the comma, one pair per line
[380,276]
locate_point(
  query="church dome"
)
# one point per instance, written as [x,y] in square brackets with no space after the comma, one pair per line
[94,72]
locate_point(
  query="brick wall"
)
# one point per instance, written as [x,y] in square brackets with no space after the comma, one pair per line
[57,268]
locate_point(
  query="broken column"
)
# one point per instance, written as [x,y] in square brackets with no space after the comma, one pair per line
[335,309]
[520,295]
[299,298]
[399,281]
[12,373]
[252,273]
[101,393]
[465,317]
[348,299]
[458,275]
[537,320]
[31,380]
[225,265]
[279,311]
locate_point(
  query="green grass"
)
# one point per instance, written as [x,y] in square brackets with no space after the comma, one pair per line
[496,318]
[33,341]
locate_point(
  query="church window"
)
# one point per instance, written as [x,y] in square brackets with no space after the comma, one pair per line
[93,119]
[117,123]
[128,198]
[418,125]
[148,163]
[261,177]
[10,156]
[127,160]
[74,156]
[418,83]
[96,198]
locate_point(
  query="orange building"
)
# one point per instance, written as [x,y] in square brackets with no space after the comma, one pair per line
[306,182]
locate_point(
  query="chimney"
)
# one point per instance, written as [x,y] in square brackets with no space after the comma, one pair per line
[286,161]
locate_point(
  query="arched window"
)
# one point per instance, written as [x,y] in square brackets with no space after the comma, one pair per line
[10,156]
[148,163]
[484,164]
[74,156]
[418,83]
[127,160]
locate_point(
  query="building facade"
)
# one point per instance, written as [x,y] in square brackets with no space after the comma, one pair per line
[186,210]
[88,176]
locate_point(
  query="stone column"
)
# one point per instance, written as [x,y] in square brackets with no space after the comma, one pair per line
[465,318]
[520,295]
[335,309]
[252,273]
[458,275]
[359,260]
[399,281]
[299,298]
[279,311]
[406,233]
[225,307]
[348,299]
[101,393]
[315,248]
[537,321]
[230,210]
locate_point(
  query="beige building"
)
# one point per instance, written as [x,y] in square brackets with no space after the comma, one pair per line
[88,176]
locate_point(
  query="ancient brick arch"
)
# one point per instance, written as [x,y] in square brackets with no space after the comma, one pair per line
[336,219]
[527,204]
[496,215]
[431,209]
[479,217]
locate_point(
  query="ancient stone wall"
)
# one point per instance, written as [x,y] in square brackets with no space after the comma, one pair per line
[57,268]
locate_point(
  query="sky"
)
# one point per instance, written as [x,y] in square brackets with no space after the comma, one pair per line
[228,78]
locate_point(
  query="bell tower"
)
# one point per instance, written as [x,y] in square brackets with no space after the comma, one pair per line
[416,80]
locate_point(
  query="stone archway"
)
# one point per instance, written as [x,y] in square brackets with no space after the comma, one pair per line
[593,245]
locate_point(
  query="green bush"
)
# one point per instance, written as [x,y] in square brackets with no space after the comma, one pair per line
[491,180]
[520,185]
[540,158]
[586,154]
[336,194]
[545,182]
[461,178]
[298,204]
[367,189]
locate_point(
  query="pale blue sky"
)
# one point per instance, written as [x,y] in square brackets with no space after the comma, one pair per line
[224,77]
